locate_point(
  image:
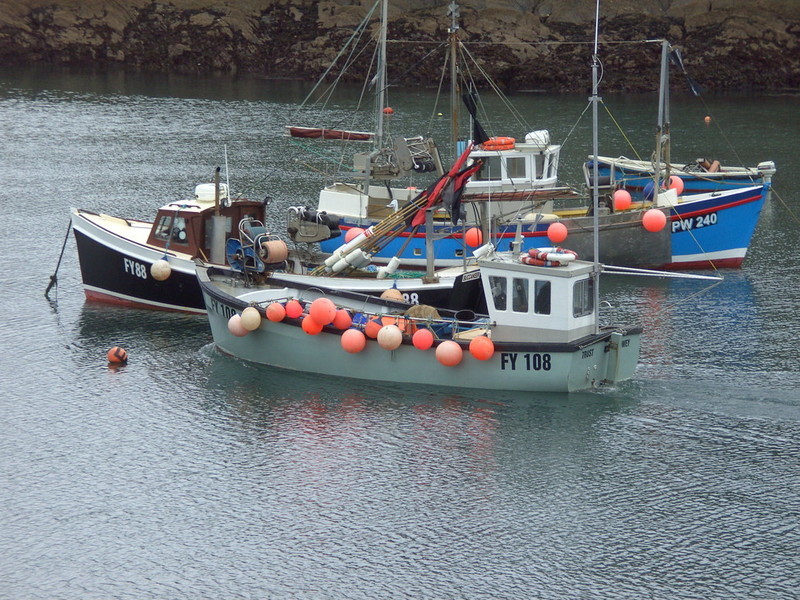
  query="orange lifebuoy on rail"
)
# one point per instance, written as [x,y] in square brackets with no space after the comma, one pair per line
[499,143]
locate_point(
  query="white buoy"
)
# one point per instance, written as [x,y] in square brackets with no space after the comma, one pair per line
[235,326]
[160,270]
[390,337]
[251,318]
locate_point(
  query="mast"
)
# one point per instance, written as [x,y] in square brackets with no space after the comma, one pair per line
[662,129]
[380,97]
[453,11]
[595,182]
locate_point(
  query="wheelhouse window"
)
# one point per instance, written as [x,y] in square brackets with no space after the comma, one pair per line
[541,301]
[515,166]
[519,299]
[583,298]
[491,169]
[538,160]
[499,291]
[171,228]
[551,166]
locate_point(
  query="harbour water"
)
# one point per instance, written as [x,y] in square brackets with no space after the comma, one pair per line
[188,474]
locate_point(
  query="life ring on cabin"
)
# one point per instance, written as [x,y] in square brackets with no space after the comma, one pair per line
[499,143]
[548,257]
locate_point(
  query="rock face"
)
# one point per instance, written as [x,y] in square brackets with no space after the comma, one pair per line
[536,44]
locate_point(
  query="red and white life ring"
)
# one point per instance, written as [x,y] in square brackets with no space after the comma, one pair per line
[548,257]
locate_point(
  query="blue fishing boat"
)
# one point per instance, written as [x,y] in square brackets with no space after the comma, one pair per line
[703,231]
[698,177]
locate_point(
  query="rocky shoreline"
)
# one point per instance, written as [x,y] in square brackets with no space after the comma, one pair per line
[524,44]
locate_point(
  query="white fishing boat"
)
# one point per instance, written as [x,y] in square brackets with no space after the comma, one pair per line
[541,332]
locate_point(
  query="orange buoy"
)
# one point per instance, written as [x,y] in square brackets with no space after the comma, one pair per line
[622,200]
[117,355]
[654,220]
[557,232]
[353,341]
[293,309]
[449,353]
[422,339]
[342,320]
[481,347]
[311,326]
[352,233]
[322,310]
[473,237]
[372,328]
[675,183]
[276,312]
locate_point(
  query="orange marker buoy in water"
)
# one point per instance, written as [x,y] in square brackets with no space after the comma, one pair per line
[117,355]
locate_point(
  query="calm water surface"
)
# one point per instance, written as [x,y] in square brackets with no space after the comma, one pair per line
[187,474]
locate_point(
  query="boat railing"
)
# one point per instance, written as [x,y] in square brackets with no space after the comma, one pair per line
[461,325]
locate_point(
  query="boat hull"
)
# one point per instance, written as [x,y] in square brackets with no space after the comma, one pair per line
[525,367]
[116,270]
[704,231]
[716,229]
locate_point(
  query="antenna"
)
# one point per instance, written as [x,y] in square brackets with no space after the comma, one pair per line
[227,174]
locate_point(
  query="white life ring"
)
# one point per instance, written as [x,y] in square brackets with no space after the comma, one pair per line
[548,257]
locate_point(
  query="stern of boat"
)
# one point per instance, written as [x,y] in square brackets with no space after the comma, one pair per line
[623,355]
